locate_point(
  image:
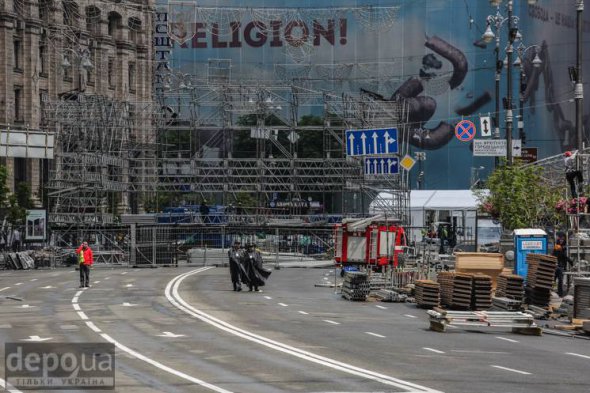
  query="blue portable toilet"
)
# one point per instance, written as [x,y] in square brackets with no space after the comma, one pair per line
[527,240]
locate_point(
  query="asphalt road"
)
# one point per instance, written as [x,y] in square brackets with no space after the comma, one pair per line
[184,330]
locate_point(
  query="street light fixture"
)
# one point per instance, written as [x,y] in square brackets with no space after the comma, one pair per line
[536,63]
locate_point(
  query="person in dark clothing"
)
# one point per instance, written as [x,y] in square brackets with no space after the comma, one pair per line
[563,260]
[256,274]
[204,210]
[573,175]
[235,269]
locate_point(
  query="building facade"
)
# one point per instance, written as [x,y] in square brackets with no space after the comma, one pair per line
[55,50]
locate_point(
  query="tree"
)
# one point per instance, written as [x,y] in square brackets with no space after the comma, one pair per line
[519,197]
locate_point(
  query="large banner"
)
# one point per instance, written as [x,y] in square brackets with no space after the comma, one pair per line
[429,52]
[36,225]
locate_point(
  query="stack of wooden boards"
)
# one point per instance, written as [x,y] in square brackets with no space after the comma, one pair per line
[540,275]
[355,286]
[427,293]
[582,298]
[510,286]
[490,264]
[465,291]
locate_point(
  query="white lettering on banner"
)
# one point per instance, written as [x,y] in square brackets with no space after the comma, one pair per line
[531,245]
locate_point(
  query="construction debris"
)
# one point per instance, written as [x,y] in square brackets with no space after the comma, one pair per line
[517,321]
[505,304]
[427,294]
[510,286]
[582,298]
[387,295]
[355,286]
[540,275]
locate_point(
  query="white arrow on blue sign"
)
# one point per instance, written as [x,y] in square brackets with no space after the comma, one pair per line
[371,142]
[381,165]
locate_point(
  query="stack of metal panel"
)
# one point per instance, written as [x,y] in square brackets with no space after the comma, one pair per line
[506,304]
[387,295]
[541,271]
[440,318]
[355,286]
[427,294]
[510,286]
[481,298]
[582,298]
[378,281]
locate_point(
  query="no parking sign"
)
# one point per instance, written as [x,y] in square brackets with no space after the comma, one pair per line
[465,130]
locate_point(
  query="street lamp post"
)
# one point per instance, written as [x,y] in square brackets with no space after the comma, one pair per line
[497,21]
[519,63]
[579,89]
[82,57]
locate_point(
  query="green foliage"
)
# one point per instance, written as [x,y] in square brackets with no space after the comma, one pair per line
[4,191]
[15,214]
[23,195]
[245,200]
[519,197]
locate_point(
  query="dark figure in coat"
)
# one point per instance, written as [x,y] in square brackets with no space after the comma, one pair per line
[560,252]
[256,274]
[235,268]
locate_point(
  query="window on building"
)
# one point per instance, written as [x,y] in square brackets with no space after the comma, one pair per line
[20,170]
[134,25]
[114,23]
[17,104]
[16,51]
[111,73]
[93,19]
[132,77]
[42,57]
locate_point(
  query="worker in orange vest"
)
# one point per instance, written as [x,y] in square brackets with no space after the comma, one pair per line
[85,260]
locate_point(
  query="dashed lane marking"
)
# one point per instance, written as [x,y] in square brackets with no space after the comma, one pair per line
[18,284]
[123,273]
[77,307]
[381,307]
[303,312]
[511,370]
[4,289]
[82,315]
[375,334]
[33,279]
[92,326]
[268,297]
[410,316]
[506,339]
[331,322]
[97,282]
[283,305]
[432,350]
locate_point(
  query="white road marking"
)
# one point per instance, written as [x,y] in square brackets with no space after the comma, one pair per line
[283,304]
[79,293]
[149,360]
[432,350]
[76,307]
[506,339]
[82,315]
[129,304]
[332,322]
[92,326]
[4,289]
[6,326]
[303,312]
[123,273]
[9,388]
[511,369]
[173,297]
[36,339]
[375,334]
[171,335]
[107,278]
[75,299]
[410,316]
[47,287]
[33,279]
[381,307]
[97,282]
[18,284]
[268,297]
[129,285]
[25,306]
[476,351]
[163,367]
[577,354]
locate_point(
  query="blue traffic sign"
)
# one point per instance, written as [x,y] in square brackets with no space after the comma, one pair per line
[465,130]
[381,165]
[371,142]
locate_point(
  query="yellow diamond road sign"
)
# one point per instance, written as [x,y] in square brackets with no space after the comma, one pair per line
[407,162]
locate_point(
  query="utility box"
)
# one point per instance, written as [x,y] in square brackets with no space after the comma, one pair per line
[526,241]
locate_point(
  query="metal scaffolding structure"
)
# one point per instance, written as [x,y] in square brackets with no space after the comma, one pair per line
[226,138]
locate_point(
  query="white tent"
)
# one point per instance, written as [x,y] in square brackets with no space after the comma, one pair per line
[455,203]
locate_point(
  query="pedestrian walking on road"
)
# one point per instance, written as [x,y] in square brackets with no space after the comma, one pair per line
[573,174]
[235,268]
[253,266]
[85,259]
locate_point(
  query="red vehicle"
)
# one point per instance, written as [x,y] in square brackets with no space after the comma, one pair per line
[372,241]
